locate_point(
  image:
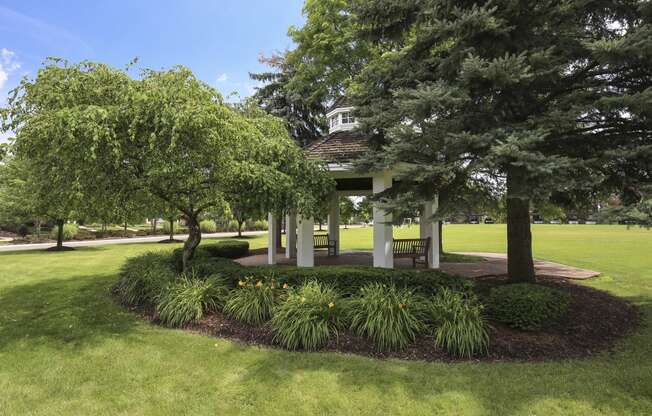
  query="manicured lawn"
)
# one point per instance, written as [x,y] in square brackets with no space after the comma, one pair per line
[66,348]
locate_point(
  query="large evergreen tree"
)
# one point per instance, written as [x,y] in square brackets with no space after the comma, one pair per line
[547,96]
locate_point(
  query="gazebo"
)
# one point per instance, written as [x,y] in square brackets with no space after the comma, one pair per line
[339,149]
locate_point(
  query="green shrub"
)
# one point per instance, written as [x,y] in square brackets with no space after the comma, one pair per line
[253,301]
[229,249]
[349,279]
[208,226]
[187,298]
[526,306]
[69,232]
[225,249]
[308,317]
[388,315]
[460,327]
[143,278]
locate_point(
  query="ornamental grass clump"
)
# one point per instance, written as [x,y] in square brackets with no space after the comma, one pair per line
[253,300]
[390,316]
[308,317]
[142,279]
[188,298]
[459,325]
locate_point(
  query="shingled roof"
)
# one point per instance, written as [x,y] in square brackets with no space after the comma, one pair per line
[342,146]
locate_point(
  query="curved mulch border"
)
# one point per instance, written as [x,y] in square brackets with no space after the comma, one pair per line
[595,322]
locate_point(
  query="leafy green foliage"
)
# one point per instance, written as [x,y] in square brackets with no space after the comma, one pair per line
[143,278]
[69,232]
[175,227]
[349,279]
[308,317]
[390,316]
[526,306]
[230,249]
[187,299]
[460,327]
[208,226]
[253,301]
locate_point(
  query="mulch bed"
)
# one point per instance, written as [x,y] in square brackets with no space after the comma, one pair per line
[595,322]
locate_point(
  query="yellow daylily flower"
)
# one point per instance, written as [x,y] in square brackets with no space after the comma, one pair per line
[331,305]
[285,285]
[259,284]
[242,283]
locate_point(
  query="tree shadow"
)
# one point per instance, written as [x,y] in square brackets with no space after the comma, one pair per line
[62,312]
[46,251]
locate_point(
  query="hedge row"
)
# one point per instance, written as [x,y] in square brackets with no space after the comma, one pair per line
[214,258]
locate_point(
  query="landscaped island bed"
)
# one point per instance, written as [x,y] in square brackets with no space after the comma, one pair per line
[569,320]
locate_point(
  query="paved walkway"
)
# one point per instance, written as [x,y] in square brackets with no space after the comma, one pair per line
[101,242]
[494,264]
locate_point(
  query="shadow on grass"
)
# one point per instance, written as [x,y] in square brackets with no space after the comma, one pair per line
[46,251]
[71,312]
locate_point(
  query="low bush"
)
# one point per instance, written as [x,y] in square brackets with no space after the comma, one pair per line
[143,278]
[390,316]
[69,232]
[187,299]
[229,249]
[207,257]
[208,226]
[527,307]
[348,280]
[459,325]
[308,317]
[253,301]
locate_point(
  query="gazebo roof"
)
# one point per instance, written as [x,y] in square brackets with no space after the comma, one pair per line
[339,147]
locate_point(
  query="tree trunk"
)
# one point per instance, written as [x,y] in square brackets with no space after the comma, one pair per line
[124,230]
[60,235]
[171,230]
[154,226]
[279,228]
[194,238]
[520,265]
[441,239]
[240,228]
[38,229]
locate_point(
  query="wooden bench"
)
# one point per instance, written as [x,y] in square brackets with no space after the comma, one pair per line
[323,241]
[413,248]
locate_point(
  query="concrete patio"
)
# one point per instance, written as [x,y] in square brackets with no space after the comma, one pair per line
[492,264]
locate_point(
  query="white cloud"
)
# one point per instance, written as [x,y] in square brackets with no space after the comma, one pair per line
[8,65]
[223,78]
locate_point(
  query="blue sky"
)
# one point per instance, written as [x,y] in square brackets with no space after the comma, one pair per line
[219,40]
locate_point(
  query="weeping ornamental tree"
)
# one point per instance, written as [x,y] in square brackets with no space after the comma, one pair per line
[60,120]
[188,148]
[97,141]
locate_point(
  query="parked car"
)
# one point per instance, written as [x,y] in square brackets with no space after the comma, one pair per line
[488,220]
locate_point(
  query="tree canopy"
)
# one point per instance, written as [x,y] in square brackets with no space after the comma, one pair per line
[100,141]
[546,100]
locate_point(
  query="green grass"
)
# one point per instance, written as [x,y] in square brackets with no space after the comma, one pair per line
[66,348]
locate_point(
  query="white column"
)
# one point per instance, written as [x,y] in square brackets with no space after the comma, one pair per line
[291,236]
[383,255]
[272,248]
[430,228]
[305,242]
[334,222]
